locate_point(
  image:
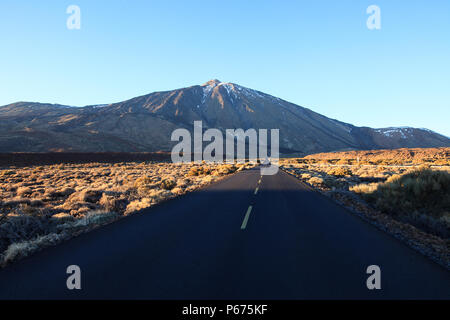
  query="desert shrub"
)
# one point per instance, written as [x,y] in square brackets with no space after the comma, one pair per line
[306,176]
[206,179]
[177,190]
[226,169]
[144,184]
[339,171]
[91,219]
[430,224]
[62,217]
[66,192]
[364,187]
[87,195]
[159,194]
[113,204]
[316,181]
[183,183]
[27,209]
[137,205]
[343,161]
[195,171]
[98,217]
[22,249]
[51,193]
[18,228]
[23,191]
[7,172]
[41,234]
[423,192]
[422,189]
[15,202]
[335,183]
[143,181]
[168,184]
[393,178]
[199,171]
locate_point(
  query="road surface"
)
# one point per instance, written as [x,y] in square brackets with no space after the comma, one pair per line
[245,237]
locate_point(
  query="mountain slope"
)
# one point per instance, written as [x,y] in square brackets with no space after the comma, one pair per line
[145,123]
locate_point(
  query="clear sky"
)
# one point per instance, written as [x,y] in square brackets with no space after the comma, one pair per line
[318,54]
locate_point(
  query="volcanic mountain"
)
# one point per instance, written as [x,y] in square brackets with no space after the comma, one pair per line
[145,123]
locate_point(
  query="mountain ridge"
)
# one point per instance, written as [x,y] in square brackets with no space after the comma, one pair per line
[145,123]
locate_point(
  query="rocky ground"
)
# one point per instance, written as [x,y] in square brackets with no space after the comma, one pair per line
[346,184]
[44,205]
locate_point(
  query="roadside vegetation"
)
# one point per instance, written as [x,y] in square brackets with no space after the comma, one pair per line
[403,156]
[411,199]
[43,205]
[415,194]
[421,197]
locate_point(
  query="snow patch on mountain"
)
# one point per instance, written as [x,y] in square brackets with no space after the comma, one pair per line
[391,132]
[100,106]
[207,91]
[230,91]
[234,91]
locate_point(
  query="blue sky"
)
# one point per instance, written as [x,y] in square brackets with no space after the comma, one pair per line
[318,54]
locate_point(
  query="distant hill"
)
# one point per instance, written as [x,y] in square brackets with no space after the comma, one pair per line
[144,124]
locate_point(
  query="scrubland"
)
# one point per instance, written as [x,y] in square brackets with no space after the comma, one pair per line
[411,199]
[403,156]
[44,205]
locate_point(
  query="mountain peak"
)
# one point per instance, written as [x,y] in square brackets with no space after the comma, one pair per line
[218,104]
[213,82]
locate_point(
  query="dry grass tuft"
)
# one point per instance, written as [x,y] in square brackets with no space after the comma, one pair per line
[316,181]
[168,184]
[25,248]
[340,171]
[364,187]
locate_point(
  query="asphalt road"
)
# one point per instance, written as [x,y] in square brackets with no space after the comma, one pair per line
[292,244]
